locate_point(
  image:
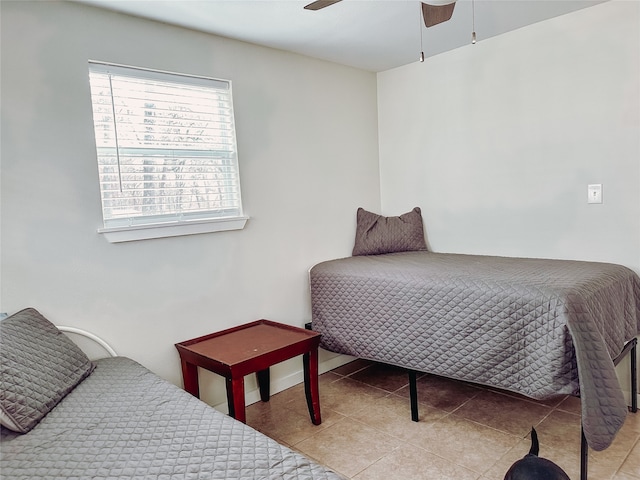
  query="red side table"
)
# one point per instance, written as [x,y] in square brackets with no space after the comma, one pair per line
[249,348]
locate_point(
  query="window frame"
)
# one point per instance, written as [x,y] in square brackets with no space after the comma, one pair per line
[143,227]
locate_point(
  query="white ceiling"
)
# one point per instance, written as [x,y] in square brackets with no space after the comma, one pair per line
[374,35]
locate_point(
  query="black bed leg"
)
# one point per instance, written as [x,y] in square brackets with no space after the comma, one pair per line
[630,347]
[634,380]
[584,455]
[413,394]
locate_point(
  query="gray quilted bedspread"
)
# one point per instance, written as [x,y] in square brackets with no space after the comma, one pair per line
[532,326]
[124,422]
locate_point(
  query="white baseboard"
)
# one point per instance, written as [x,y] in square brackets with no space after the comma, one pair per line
[280,384]
[627,397]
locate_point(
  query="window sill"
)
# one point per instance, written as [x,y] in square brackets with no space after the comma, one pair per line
[176,229]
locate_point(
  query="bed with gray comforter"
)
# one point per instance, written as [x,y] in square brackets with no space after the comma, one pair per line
[532,326]
[114,419]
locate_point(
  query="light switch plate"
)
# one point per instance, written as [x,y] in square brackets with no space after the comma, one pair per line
[595,193]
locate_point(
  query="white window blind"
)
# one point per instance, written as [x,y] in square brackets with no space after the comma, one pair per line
[166,147]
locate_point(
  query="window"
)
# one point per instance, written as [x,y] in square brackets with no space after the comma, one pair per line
[166,149]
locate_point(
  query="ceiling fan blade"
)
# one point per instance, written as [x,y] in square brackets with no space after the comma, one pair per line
[318,4]
[435,14]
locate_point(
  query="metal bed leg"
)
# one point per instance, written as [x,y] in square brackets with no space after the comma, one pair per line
[584,455]
[634,378]
[630,347]
[413,394]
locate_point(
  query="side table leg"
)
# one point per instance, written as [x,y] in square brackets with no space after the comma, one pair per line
[190,378]
[310,363]
[263,384]
[235,398]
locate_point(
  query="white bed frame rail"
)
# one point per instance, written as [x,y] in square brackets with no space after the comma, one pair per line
[90,336]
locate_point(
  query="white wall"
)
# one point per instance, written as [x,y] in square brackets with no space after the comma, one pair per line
[497,141]
[307,142]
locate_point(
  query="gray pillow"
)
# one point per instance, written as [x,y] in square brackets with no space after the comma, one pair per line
[39,365]
[376,234]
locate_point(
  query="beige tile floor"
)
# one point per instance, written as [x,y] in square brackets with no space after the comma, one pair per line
[464,432]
